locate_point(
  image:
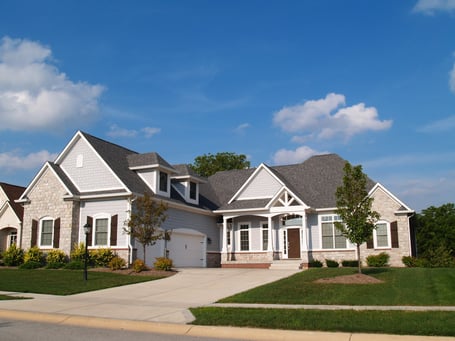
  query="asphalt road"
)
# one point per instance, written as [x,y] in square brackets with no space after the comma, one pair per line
[15,330]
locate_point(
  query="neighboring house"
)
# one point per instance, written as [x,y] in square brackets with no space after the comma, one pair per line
[11,214]
[240,218]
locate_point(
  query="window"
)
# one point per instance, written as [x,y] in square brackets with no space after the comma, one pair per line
[244,237]
[12,238]
[228,234]
[163,182]
[193,189]
[101,231]
[332,238]
[382,235]
[47,227]
[265,236]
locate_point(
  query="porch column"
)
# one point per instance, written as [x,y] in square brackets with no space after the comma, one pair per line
[269,232]
[224,236]
[305,258]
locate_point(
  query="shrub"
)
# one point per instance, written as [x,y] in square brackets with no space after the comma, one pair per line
[315,264]
[78,253]
[378,261]
[350,263]
[410,262]
[56,257]
[116,263]
[101,257]
[31,264]
[441,257]
[75,265]
[139,265]
[55,265]
[163,263]
[13,256]
[34,254]
[331,263]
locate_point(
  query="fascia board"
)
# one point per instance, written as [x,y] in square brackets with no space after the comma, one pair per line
[250,179]
[32,184]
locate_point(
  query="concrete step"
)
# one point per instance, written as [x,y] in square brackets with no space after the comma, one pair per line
[286,264]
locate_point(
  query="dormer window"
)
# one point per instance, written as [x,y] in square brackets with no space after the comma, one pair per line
[193,190]
[163,182]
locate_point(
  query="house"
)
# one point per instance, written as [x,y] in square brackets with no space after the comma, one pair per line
[241,218]
[11,214]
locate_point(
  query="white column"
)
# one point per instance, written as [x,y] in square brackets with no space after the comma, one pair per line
[269,224]
[224,236]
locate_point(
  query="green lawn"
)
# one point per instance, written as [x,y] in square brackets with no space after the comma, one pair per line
[406,286]
[402,286]
[384,322]
[62,282]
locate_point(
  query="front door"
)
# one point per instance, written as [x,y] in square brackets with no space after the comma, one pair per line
[294,243]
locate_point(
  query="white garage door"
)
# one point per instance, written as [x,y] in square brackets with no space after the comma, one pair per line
[186,248]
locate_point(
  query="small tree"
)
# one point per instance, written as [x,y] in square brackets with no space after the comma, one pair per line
[145,220]
[354,208]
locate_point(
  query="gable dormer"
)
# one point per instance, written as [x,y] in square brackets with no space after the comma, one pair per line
[154,171]
[186,183]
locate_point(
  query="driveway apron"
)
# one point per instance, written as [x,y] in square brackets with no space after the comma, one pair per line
[164,300]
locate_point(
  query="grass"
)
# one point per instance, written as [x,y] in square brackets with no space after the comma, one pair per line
[350,321]
[62,282]
[401,286]
[405,286]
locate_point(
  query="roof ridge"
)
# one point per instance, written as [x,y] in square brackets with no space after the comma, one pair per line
[108,142]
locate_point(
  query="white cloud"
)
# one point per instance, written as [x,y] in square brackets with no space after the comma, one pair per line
[15,161]
[446,124]
[35,95]
[328,117]
[150,131]
[429,7]
[241,128]
[452,79]
[286,156]
[116,131]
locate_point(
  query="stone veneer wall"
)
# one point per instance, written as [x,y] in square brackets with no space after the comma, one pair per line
[246,257]
[46,199]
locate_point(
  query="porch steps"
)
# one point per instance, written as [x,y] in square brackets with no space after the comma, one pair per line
[286,264]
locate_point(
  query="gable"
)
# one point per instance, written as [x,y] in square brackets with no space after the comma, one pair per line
[85,168]
[261,185]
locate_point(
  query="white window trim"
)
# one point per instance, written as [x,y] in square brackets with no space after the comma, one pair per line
[239,239]
[262,223]
[389,236]
[10,238]
[348,246]
[168,183]
[41,230]
[98,217]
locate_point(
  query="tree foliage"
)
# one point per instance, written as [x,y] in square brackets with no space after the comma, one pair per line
[436,229]
[145,219]
[209,164]
[354,208]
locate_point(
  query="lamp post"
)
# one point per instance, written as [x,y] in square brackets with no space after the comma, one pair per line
[87,228]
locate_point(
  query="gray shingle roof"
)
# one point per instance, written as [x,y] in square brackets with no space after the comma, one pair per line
[314,181]
[13,193]
[148,159]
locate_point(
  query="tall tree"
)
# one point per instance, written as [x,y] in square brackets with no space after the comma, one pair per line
[436,228]
[354,208]
[209,164]
[145,219]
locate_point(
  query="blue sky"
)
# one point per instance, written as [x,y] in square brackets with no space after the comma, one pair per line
[279,81]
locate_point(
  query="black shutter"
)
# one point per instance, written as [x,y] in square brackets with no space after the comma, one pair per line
[56,233]
[90,223]
[34,236]
[370,244]
[394,234]
[114,223]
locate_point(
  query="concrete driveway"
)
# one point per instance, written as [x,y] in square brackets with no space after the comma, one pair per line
[164,300]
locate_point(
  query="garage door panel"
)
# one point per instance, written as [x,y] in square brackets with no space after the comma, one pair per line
[186,250]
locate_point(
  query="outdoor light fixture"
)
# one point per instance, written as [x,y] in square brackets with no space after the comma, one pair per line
[87,229]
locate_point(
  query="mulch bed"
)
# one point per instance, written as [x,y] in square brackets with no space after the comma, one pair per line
[350,279]
[131,272]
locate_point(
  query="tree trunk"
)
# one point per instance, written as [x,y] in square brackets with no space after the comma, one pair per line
[143,248]
[358,258]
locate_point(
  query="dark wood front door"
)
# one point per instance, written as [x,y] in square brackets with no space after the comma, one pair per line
[294,243]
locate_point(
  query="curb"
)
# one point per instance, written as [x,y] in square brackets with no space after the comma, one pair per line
[206,331]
